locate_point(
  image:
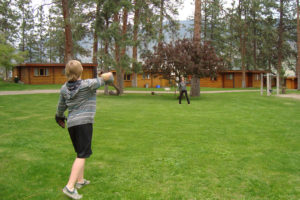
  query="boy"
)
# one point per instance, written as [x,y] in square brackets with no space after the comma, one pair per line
[182,89]
[79,97]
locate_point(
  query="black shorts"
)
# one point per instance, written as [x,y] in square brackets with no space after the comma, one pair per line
[81,137]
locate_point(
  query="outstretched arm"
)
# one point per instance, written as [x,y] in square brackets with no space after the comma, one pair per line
[101,80]
[109,79]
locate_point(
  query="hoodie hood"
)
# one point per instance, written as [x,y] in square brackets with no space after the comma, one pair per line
[72,88]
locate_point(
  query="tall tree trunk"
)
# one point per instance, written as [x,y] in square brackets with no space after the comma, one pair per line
[280,35]
[212,26]
[161,19]
[205,19]
[95,43]
[124,31]
[254,33]
[123,49]
[298,47]
[195,83]
[242,44]
[106,51]
[68,33]
[231,38]
[244,52]
[95,46]
[135,41]
[120,75]
[197,22]
[23,28]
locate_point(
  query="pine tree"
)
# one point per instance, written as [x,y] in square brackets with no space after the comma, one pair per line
[27,23]
[9,20]
[41,34]
[68,31]
[136,20]
[195,83]
[298,47]
[280,39]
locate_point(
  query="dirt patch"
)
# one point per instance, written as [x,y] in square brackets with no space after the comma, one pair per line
[294,96]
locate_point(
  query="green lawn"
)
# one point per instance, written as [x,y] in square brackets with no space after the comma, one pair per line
[188,88]
[9,86]
[221,146]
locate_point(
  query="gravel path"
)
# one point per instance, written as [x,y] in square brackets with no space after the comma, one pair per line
[126,92]
[294,96]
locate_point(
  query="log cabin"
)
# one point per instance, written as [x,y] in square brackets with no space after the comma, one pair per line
[37,73]
[233,79]
[227,79]
[48,73]
[291,82]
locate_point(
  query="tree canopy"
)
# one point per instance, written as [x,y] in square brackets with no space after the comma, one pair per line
[183,58]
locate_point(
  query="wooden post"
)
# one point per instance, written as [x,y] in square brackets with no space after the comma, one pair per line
[261,84]
[268,84]
[29,71]
[53,74]
[277,83]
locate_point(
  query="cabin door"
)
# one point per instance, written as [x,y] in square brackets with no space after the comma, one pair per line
[250,80]
[229,80]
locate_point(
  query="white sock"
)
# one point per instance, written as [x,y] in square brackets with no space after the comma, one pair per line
[71,190]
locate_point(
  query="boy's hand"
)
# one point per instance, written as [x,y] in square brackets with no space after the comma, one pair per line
[108,77]
[60,121]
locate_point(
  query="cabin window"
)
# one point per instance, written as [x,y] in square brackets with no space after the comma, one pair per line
[41,72]
[213,78]
[257,77]
[146,76]
[127,77]
[229,76]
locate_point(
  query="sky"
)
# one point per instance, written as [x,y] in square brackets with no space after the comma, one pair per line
[188,8]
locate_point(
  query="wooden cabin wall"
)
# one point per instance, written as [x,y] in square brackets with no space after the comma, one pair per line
[55,75]
[208,82]
[228,83]
[256,83]
[291,83]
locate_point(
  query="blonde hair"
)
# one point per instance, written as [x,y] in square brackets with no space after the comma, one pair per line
[73,70]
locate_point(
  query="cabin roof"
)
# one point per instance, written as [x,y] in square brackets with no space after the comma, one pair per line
[52,65]
[291,77]
[247,71]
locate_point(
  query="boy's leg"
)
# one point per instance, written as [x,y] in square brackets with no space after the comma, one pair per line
[77,168]
[81,176]
[81,137]
[187,97]
[181,92]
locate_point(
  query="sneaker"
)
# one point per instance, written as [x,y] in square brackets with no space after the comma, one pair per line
[80,185]
[72,194]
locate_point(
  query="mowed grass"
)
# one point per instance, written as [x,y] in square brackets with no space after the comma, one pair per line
[10,86]
[221,146]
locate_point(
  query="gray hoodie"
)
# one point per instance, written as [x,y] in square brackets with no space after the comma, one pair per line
[79,98]
[182,86]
